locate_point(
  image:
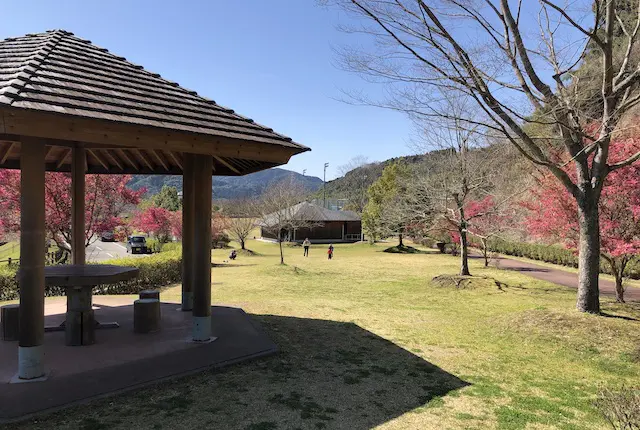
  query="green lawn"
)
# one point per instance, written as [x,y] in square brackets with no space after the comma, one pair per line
[367,340]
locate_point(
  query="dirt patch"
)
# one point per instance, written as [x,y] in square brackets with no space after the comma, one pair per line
[464,282]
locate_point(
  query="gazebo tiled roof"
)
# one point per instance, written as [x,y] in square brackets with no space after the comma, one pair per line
[104,99]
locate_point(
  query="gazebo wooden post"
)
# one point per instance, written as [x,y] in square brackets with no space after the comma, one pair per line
[32,259]
[188,210]
[78,169]
[202,170]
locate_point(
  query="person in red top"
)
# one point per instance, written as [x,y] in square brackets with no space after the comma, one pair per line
[330,252]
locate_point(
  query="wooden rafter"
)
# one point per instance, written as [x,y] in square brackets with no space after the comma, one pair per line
[99,158]
[127,158]
[160,159]
[145,159]
[242,163]
[175,158]
[6,150]
[114,160]
[65,155]
[227,164]
[47,151]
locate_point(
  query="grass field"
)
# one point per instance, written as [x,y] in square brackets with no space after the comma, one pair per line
[368,340]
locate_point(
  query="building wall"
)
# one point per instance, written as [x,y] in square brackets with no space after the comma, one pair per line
[327,232]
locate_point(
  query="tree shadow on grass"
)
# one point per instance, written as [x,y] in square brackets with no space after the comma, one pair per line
[622,317]
[338,375]
[231,265]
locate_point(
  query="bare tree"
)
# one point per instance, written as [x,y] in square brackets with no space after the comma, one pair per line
[241,213]
[279,211]
[528,86]
[464,172]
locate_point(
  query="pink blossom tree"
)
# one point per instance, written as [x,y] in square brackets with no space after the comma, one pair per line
[554,215]
[156,221]
[106,198]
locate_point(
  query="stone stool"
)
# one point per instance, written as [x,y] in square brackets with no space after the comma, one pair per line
[10,322]
[150,294]
[146,315]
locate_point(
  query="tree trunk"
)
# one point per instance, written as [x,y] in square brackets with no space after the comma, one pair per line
[619,288]
[242,244]
[464,254]
[618,274]
[485,252]
[281,253]
[400,244]
[589,257]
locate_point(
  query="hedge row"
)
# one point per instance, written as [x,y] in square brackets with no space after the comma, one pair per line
[156,271]
[553,254]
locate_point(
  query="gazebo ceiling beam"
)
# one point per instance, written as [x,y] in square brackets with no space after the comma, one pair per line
[226,164]
[98,158]
[120,135]
[145,159]
[160,159]
[113,159]
[175,158]
[5,151]
[127,158]
[65,155]
[47,151]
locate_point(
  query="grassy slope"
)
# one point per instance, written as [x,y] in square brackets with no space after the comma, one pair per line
[523,357]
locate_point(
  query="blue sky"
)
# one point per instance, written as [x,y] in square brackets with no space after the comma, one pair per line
[270,60]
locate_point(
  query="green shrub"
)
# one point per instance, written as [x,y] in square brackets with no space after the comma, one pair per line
[8,282]
[156,271]
[553,254]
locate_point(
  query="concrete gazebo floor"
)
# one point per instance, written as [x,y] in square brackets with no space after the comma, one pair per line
[122,360]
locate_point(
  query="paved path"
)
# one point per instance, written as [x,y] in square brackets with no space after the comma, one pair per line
[562,277]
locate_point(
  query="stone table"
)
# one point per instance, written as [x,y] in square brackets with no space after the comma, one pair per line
[78,281]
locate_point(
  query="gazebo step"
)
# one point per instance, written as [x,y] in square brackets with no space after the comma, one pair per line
[146,315]
[10,322]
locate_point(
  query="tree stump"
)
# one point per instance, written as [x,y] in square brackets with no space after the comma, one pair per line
[146,315]
[10,322]
[150,294]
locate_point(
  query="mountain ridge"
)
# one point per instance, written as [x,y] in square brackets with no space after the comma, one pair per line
[229,187]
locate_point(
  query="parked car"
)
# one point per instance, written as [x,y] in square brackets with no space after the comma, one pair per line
[107,236]
[137,245]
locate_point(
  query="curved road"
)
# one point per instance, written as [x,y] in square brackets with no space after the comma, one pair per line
[561,277]
[101,251]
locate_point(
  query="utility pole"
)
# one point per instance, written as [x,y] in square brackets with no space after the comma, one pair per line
[324,186]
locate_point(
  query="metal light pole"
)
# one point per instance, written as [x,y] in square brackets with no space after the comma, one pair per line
[324,186]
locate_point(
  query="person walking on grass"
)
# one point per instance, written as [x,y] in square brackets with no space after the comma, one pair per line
[330,252]
[306,244]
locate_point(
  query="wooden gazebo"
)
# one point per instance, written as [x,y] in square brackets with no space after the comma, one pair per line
[67,105]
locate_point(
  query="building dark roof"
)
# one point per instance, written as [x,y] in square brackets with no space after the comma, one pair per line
[60,73]
[313,213]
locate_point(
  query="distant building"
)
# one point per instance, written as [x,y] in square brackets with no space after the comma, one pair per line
[329,225]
